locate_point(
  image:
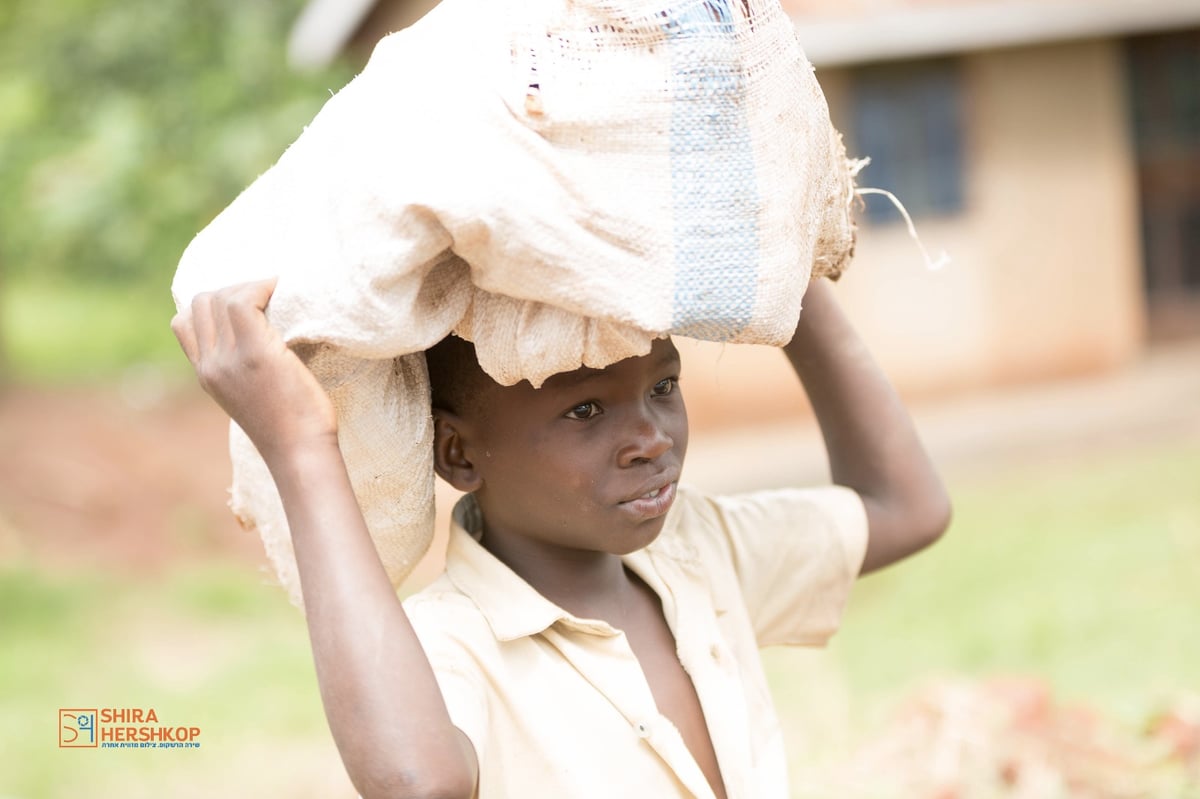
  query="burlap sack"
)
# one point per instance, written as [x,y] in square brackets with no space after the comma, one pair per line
[559,181]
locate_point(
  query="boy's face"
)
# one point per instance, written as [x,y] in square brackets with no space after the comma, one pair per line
[590,461]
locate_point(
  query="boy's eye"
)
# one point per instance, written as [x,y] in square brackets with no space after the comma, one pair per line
[584,410]
[664,387]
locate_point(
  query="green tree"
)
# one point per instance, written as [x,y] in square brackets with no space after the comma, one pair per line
[125,127]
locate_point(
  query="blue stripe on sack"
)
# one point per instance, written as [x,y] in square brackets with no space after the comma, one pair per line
[714,192]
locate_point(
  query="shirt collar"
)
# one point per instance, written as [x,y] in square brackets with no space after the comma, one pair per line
[512,607]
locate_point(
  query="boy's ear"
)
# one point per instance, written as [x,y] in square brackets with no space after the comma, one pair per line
[449,452]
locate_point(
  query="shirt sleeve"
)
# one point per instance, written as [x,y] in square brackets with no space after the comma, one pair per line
[461,682]
[795,553]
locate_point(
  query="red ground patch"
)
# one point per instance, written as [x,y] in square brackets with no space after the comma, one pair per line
[127,482]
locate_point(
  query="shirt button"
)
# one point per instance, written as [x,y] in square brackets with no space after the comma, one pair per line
[715,651]
[643,730]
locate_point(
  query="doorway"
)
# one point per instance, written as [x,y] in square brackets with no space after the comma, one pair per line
[1164,91]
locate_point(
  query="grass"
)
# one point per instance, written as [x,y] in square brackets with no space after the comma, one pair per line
[1080,572]
[209,647]
[54,333]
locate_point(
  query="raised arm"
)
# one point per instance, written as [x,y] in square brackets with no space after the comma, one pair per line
[872,444]
[380,695]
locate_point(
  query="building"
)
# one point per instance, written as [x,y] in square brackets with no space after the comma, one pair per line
[1051,147]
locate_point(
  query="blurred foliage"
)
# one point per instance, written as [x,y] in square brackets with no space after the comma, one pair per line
[125,127]
[55,332]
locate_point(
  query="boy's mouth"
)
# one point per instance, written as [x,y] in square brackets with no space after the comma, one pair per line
[651,504]
[654,486]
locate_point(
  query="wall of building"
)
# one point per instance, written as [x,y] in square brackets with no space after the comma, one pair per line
[1056,165]
[1045,277]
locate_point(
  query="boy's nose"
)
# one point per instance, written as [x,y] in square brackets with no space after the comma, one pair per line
[645,440]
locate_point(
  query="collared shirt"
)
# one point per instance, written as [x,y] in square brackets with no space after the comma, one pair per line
[558,706]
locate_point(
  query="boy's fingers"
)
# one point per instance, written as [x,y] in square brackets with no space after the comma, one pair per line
[216,320]
[260,291]
[202,324]
[185,334]
[245,306]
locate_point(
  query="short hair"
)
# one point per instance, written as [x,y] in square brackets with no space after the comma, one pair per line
[455,377]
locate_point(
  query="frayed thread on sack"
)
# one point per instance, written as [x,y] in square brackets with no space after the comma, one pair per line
[932,264]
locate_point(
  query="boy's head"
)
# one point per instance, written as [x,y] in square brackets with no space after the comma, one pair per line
[589,461]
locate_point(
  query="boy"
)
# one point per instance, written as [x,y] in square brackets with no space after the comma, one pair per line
[595,633]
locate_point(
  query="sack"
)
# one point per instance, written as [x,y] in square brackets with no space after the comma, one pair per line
[559,181]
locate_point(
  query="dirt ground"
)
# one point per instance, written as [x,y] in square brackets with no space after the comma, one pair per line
[133,476]
[104,476]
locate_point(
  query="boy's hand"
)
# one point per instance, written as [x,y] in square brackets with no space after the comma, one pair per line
[244,364]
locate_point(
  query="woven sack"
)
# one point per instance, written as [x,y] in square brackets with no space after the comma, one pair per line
[559,181]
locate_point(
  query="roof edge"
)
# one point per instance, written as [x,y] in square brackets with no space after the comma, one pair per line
[913,33]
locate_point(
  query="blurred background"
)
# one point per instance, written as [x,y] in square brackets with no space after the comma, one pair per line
[1048,647]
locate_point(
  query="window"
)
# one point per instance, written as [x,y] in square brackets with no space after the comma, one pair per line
[907,117]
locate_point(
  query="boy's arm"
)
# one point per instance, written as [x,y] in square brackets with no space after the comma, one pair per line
[380,695]
[872,444]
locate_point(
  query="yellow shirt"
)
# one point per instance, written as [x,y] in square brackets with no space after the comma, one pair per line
[558,707]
